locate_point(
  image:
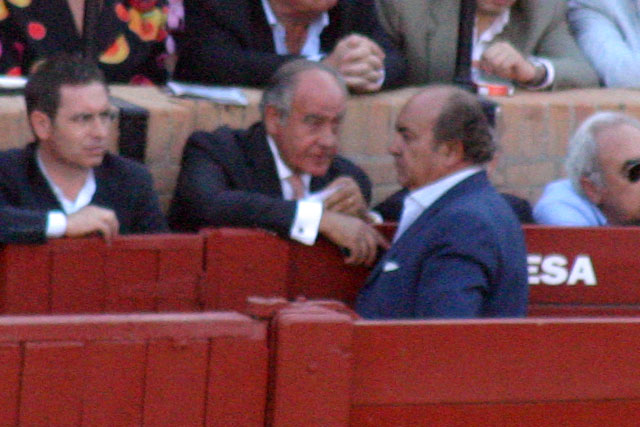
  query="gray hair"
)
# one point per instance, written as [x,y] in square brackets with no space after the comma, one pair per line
[281,86]
[582,158]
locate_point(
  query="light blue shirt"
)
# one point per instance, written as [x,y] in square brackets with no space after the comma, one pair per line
[608,32]
[560,204]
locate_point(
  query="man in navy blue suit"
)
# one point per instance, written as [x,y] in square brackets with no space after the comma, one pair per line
[459,249]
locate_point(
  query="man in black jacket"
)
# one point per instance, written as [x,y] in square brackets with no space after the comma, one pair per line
[281,174]
[65,183]
[243,42]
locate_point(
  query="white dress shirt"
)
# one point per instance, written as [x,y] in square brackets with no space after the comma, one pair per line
[57,220]
[421,199]
[308,212]
[311,48]
[482,41]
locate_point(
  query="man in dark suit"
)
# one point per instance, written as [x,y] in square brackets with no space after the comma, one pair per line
[281,174]
[459,249]
[65,183]
[243,42]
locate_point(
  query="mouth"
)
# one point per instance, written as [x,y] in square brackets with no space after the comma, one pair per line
[95,150]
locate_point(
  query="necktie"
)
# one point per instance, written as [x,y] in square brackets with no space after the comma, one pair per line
[297,186]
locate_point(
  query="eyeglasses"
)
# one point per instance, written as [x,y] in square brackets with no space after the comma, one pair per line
[85,119]
[631,170]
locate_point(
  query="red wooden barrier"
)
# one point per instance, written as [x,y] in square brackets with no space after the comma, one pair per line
[525,372]
[583,271]
[124,370]
[245,262]
[134,273]
[572,271]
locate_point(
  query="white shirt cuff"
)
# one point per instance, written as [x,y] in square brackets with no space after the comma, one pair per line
[551,73]
[56,224]
[375,217]
[306,222]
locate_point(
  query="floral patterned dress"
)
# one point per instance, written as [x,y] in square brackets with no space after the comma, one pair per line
[131,37]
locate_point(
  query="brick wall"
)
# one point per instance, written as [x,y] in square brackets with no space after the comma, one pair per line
[534,129]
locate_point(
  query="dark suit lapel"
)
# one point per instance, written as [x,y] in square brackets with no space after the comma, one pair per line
[105,187]
[41,189]
[471,183]
[260,160]
[260,35]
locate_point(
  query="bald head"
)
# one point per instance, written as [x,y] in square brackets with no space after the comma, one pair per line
[439,131]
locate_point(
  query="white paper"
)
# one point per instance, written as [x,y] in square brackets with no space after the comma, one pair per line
[219,94]
[12,82]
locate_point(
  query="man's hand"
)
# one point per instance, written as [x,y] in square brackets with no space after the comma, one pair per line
[92,219]
[503,60]
[360,61]
[353,234]
[347,199]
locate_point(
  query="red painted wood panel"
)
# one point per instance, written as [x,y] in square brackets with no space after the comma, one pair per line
[574,414]
[319,271]
[179,275]
[312,368]
[176,379]
[10,365]
[25,274]
[134,273]
[131,277]
[77,280]
[237,365]
[153,369]
[51,392]
[611,251]
[578,310]
[113,383]
[400,363]
[241,263]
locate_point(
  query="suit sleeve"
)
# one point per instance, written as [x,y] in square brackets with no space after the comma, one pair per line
[455,278]
[216,47]
[211,191]
[571,67]
[19,225]
[395,65]
[22,225]
[607,47]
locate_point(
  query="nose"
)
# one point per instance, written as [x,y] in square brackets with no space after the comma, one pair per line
[395,145]
[100,128]
[328,138]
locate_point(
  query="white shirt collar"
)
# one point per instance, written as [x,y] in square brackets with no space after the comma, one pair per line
[285,172]
[311,47]
[482,41]
[84,196]
[421,199]
[427,195]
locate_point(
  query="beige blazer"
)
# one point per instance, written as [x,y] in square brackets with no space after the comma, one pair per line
[427,33]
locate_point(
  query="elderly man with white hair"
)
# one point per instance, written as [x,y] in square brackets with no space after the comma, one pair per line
[603,168]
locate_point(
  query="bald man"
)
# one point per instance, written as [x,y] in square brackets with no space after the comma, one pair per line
[459,250]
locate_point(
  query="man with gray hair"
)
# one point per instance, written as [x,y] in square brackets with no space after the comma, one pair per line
[282,174]
[603,168]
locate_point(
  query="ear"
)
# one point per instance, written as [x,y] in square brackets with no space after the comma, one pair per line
[454,151]
[591,190]
[272,120]
[41,124]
